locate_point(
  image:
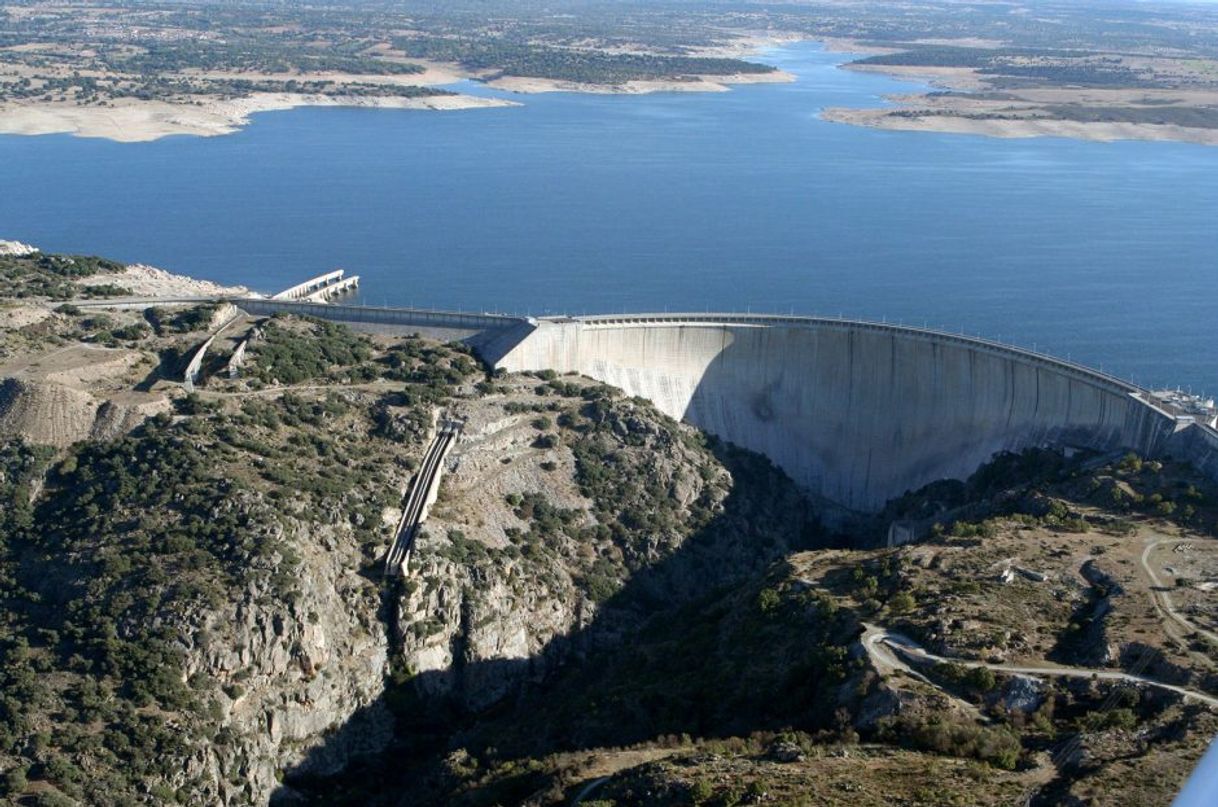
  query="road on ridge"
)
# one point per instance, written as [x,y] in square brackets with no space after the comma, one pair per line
[1162,599]
[886,649]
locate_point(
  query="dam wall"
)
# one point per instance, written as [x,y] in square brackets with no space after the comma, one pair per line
[856,413]
[1197,444]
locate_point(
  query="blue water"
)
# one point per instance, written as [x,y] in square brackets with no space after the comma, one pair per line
[1106,253]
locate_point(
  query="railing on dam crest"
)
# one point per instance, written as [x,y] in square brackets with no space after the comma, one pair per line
[793,321]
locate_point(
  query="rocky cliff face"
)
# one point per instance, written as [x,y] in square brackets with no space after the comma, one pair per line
[531,555]
[207,584]
[292,672]
[566,514]
[194,607]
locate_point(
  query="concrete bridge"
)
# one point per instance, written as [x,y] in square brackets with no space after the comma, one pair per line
[335,289]
[310,287]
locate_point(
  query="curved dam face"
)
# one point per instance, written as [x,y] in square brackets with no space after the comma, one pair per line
[856,413]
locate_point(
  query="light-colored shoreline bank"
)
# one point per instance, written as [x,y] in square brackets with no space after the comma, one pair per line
[149,281]
[1020,127]
[522,85]
[141,279]
[1014,118]
[747,46]
[131,121]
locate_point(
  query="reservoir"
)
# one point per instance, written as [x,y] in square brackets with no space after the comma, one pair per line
[1106,253]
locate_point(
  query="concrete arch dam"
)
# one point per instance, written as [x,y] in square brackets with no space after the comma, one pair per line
[857,413]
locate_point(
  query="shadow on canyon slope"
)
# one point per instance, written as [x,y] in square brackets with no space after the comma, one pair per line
[764,518]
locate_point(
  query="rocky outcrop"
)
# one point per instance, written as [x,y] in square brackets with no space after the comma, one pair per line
[531,556]
[115,418]
[293,673]
[16,248]
[476,635]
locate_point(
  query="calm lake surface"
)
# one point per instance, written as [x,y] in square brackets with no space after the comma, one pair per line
[1106,253]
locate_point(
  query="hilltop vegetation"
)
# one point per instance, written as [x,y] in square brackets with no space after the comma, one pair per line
[51,276]
[525,59]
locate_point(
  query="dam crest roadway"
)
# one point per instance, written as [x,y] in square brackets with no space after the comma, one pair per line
[856,413]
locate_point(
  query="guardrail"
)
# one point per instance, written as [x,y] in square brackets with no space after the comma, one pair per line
[423,318]
[1082,371]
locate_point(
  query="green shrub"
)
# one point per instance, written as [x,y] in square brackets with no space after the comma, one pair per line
[901,603]
[768,600]
[292,357]
[16,780]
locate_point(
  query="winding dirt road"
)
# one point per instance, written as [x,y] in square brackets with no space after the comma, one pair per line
[1162,598]
[888,651]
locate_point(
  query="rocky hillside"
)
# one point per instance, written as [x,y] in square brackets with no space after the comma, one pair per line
[194,605]
[191,606]
[603,605]
[777,686]
[571,514]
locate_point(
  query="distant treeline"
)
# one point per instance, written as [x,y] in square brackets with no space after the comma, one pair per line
[530,60]
[975,58]
[254,55]
[1021,67]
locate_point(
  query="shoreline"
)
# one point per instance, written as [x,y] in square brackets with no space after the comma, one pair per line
[1019,128]
[140,278]
[138,121]
[149,281]
[134,121]
[707,83]
[143,121]
[1011,119]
